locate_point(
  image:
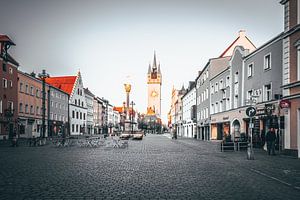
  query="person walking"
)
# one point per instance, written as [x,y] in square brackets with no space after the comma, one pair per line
[270,139]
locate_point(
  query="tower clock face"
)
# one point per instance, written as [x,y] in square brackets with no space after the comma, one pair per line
[154,93]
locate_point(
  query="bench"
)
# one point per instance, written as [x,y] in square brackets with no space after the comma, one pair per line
[227,146]
[242,145]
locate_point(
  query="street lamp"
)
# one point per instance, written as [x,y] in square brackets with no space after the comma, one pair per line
[132,104]
[43,76]
[106,116]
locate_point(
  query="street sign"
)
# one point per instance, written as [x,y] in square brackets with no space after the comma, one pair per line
[250,111]
[285,104]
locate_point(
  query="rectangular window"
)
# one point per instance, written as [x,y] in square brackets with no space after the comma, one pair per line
[267,61]
[212,90]
[227,104]
[4,66]
[227,81]
[10,84]
[217,107]
[250,70]
[76,127]
[73,114]
[267,92]
[10,70]
[21,107]
[72,127]
[37,93]
[31,110]
[4,84]
[235,103]
[31,90]
[216,87]
[26,109]
[26,89]
[212,109]
[221,84]
[236,77]
[249,94]
[21,87]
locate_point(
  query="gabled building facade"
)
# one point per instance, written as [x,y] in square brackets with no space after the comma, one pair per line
[189,112]
[73,85]
[58,112]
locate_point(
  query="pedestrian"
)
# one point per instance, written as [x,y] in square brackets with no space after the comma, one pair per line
[270,139]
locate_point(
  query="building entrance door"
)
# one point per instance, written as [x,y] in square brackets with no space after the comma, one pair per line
[220,132]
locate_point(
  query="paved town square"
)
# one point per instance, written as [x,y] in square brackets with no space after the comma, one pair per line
[156,167]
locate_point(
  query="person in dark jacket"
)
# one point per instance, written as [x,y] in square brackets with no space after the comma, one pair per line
[270,139]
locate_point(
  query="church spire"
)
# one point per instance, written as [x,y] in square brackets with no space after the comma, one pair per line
[159,68]
[154,66]
[149,69]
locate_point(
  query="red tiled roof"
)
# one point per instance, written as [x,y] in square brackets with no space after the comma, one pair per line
[5,38]
[65,83]
[119,109]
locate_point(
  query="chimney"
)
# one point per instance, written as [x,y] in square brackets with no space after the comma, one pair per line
[242,33]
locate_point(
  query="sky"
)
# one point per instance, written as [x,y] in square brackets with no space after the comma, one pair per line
[113,41]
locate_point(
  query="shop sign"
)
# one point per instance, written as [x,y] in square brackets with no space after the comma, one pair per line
[285,104]
[269,108]
[225,118]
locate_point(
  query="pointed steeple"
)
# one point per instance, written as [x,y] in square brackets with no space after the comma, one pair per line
[159,68]
[154,66]
[149,69]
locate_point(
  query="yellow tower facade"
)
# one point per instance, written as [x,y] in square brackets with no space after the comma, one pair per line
[154,81]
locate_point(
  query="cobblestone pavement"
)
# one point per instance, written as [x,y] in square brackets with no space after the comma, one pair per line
[155,168]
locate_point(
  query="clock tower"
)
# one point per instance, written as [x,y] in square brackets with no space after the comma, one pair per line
[154,88]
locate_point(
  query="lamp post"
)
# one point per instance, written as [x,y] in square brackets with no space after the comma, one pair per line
[106,116]
[43,76]
[132,104]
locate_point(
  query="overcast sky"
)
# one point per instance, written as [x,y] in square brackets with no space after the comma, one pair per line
[111,39]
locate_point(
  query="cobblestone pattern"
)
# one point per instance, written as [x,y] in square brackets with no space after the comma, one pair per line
[154,168]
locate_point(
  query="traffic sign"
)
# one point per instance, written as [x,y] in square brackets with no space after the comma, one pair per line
[250,111]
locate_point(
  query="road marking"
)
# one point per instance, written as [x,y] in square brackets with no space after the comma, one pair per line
[276,179]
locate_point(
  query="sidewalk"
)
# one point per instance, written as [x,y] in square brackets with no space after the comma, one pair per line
[280,168]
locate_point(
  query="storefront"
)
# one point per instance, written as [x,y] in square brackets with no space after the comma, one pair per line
[228,124]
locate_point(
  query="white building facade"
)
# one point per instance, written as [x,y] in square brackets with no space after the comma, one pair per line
[189,112]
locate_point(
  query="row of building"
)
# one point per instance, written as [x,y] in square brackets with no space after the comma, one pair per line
[266,77]
[69,108]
